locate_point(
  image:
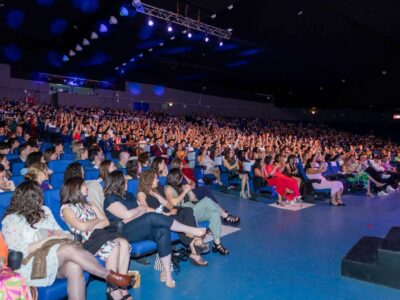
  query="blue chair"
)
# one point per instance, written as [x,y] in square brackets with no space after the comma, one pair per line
[57,180]
[308,183]
[133,186]
[68,156]
[5,199]
[261,190]
[92,174]
[16,168]
[162,180]
[58,166]
[11,156]
[45,145]
[52,201]
[86,164]
[225,177]
[334,167]
[17,179]
[145,168]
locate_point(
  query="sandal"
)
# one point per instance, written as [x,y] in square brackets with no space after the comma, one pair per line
[111,289]
[231,220]
[127,296]
[202,249]
[171,284]
[219,248]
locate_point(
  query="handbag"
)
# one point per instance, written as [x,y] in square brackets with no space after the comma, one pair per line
[99,237]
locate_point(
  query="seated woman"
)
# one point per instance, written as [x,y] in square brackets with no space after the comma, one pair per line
[87,222]
[144,161]
[158,165]
[291,169]
[286,187]
[205,209]
[205,161]
[29,227]
[49,155]
[232,165]
[132,169]
[6,185]
[151,196]
[243,174]
[38,172]
[4,161]
[121,206]
[34,158]
[315,167]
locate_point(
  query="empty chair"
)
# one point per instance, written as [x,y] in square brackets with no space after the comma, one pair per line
[58,166]
[56,180]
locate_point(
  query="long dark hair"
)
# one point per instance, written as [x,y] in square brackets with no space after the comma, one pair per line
[71,191]
[156,163]
[73,170]
[132,168]
[115,184]
[268,159]
[27,201]
[174,179]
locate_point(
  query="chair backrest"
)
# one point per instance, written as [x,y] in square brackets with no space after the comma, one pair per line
[92,174]
[162,180]
[334,166]
[16,167]
[44,146]
[17,179]
[5,199]
[68,156]
[52,200]
[57,180]
[133,186]
[58,166]
[302,171]
[11,156]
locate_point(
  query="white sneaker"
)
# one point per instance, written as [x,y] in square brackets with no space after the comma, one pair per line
[389,189]
[382,193]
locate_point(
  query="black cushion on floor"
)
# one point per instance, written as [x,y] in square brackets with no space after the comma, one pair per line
[392,240]
[365,251]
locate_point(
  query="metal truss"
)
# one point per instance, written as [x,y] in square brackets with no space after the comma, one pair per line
[180,20]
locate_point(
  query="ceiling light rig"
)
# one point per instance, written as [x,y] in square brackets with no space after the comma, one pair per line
[183,21]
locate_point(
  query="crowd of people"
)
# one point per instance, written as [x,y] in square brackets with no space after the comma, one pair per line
[126,146]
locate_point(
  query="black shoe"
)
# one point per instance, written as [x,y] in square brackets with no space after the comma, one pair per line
[219,248]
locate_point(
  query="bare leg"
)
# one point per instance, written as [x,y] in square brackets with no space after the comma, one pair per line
[166,273]
[76,282]
[179,227]
[81,257]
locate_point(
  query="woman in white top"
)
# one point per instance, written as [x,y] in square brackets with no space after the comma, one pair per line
[315,167]
[205,160]
[28,225]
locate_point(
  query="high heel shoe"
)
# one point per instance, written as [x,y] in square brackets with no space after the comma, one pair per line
[332,204]
[219,248]
[202,234]
[243,195]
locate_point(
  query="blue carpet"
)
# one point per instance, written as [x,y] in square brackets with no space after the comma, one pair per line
[280,254]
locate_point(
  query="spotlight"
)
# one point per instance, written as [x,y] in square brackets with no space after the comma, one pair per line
[150,22]
[161,44]
[124,11]
[113,20]
[116,68]
[141,55]
[94,36]
[169,28]
[132,59]
[151,49]
[221,43]
[124,64]
[85,42]
[213,16]
[103,28]
[78,47]
[71,53]
[189,35]
[206,39]
[65,58]
[230,29]
[172,38]
[170,104]
[230,7]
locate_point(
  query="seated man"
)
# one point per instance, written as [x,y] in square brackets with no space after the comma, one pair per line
[123,159]
[96,156]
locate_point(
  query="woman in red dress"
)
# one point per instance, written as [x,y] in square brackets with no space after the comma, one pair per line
[286,187]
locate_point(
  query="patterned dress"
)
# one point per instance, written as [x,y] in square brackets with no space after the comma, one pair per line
[86,213]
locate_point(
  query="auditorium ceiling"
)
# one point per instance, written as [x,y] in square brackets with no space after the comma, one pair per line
[331,53]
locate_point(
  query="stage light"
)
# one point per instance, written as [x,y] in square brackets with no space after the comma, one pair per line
[213,16]
[113,20]
[124,64]
[78,47]
[124,11]
[169,28]
[189,35]
[65,58]
[230,29]
[170,104]
[141,55]
[94,35]
[300,13]
[343,80]
[161,44]
[230,7]
[71,53]
[151,49]
[172,38]
[384,72]
[206,39]
[132,59]
[85,42]
[116,68]
[150,22]
[103,28]
[221,43]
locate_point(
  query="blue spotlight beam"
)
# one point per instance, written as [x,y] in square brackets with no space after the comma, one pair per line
[180,20]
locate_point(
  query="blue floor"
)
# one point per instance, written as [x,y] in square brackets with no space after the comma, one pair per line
[280,254]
